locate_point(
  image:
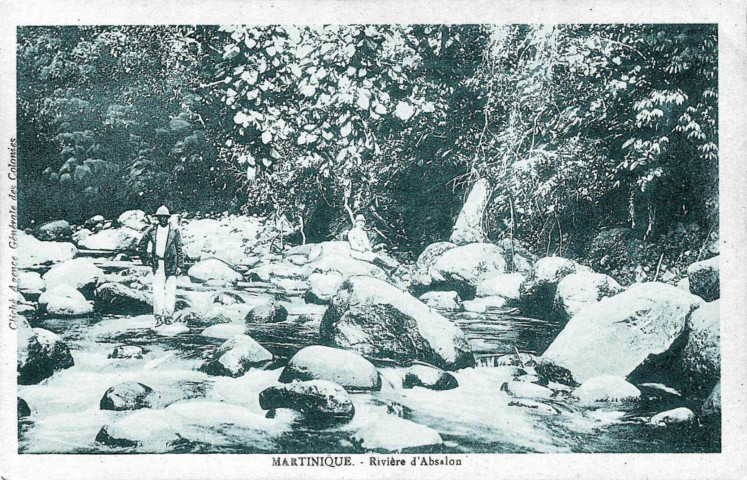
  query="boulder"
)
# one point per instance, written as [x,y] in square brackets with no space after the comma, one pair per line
[30,284]
[504,285]
[443,301]
[672,417]
[227,298]
[134,219]
[236,356]
[32,252]
[346,368]
[712,405]
[269,312]
[429,377]
[698,365]
[463,268]
[320,401]
[537,293]
[527,390]
[127,351]
[116,239]
[213,269]
[389,433]
[79,273]
[705,279]
[270,271]
[617,334]
[197,319]
[379,321]
[40,354]
[64,301]
[429,256]
[579,289]
[22,408]
[322,287]
[518,258]
[484,304]
[149,430]
[117,299]
[224,330]
[56,230]
[469,226]
[328,257]
[128,396]
[94,222]
[81,235]
[606,388]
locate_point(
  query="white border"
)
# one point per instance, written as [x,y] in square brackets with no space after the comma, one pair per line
[731,16]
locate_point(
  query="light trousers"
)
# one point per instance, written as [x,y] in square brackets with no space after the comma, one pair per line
[164,292]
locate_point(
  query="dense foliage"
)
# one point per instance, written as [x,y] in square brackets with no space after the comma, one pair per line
[578,127]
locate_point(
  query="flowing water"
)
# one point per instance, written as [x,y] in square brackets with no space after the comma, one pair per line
[201,413]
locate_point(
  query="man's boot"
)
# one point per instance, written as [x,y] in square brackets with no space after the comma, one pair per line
[159,320]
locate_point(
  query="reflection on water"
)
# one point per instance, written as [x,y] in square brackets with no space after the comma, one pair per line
[476,417]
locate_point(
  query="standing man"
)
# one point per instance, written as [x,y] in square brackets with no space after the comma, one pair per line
[360,247]
[161,248]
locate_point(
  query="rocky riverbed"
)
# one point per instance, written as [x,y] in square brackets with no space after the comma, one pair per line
[472,349]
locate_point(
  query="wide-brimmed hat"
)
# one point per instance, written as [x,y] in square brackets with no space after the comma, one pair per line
[360,218]
[162,211]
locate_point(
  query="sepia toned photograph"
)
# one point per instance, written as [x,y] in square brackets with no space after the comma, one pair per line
[368,238]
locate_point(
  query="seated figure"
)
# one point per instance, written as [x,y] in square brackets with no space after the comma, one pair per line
[360,247]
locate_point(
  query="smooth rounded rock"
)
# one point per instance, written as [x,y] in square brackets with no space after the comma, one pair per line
[236,356]
[672,417]
[128,396]
[269,312]
[346,368]
[320,401]
[429,377]
[64,301]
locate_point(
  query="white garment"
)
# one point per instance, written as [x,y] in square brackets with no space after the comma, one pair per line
[162,234]
[164,292]
[358,239]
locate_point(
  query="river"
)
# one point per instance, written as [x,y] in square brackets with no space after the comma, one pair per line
[220,414]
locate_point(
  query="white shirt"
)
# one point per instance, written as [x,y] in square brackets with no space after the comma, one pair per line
[162,234]
[359,240]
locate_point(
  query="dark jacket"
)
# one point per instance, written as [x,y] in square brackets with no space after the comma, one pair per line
[173,256]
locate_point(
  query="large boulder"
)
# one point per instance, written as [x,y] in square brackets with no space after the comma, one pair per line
[40,354]
[33,252]
[128,396]
[618,334]
[79,273]
[213,269]
[268,312]
[121,239]
[506,285]
[528,390]
[30,284]
[379,321]
[134,219]
[705,279]
[429,256]
[64,301]
[149,430]
[429,377]
[328,257]
[443,301]
[537,293]
[322,287]
[606,388]
[117,299]
[582,288]
[346,368]
[320,401]
[56,230]
[672,417]
[698,365]
[236,356]
[463,268]
[469,226]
